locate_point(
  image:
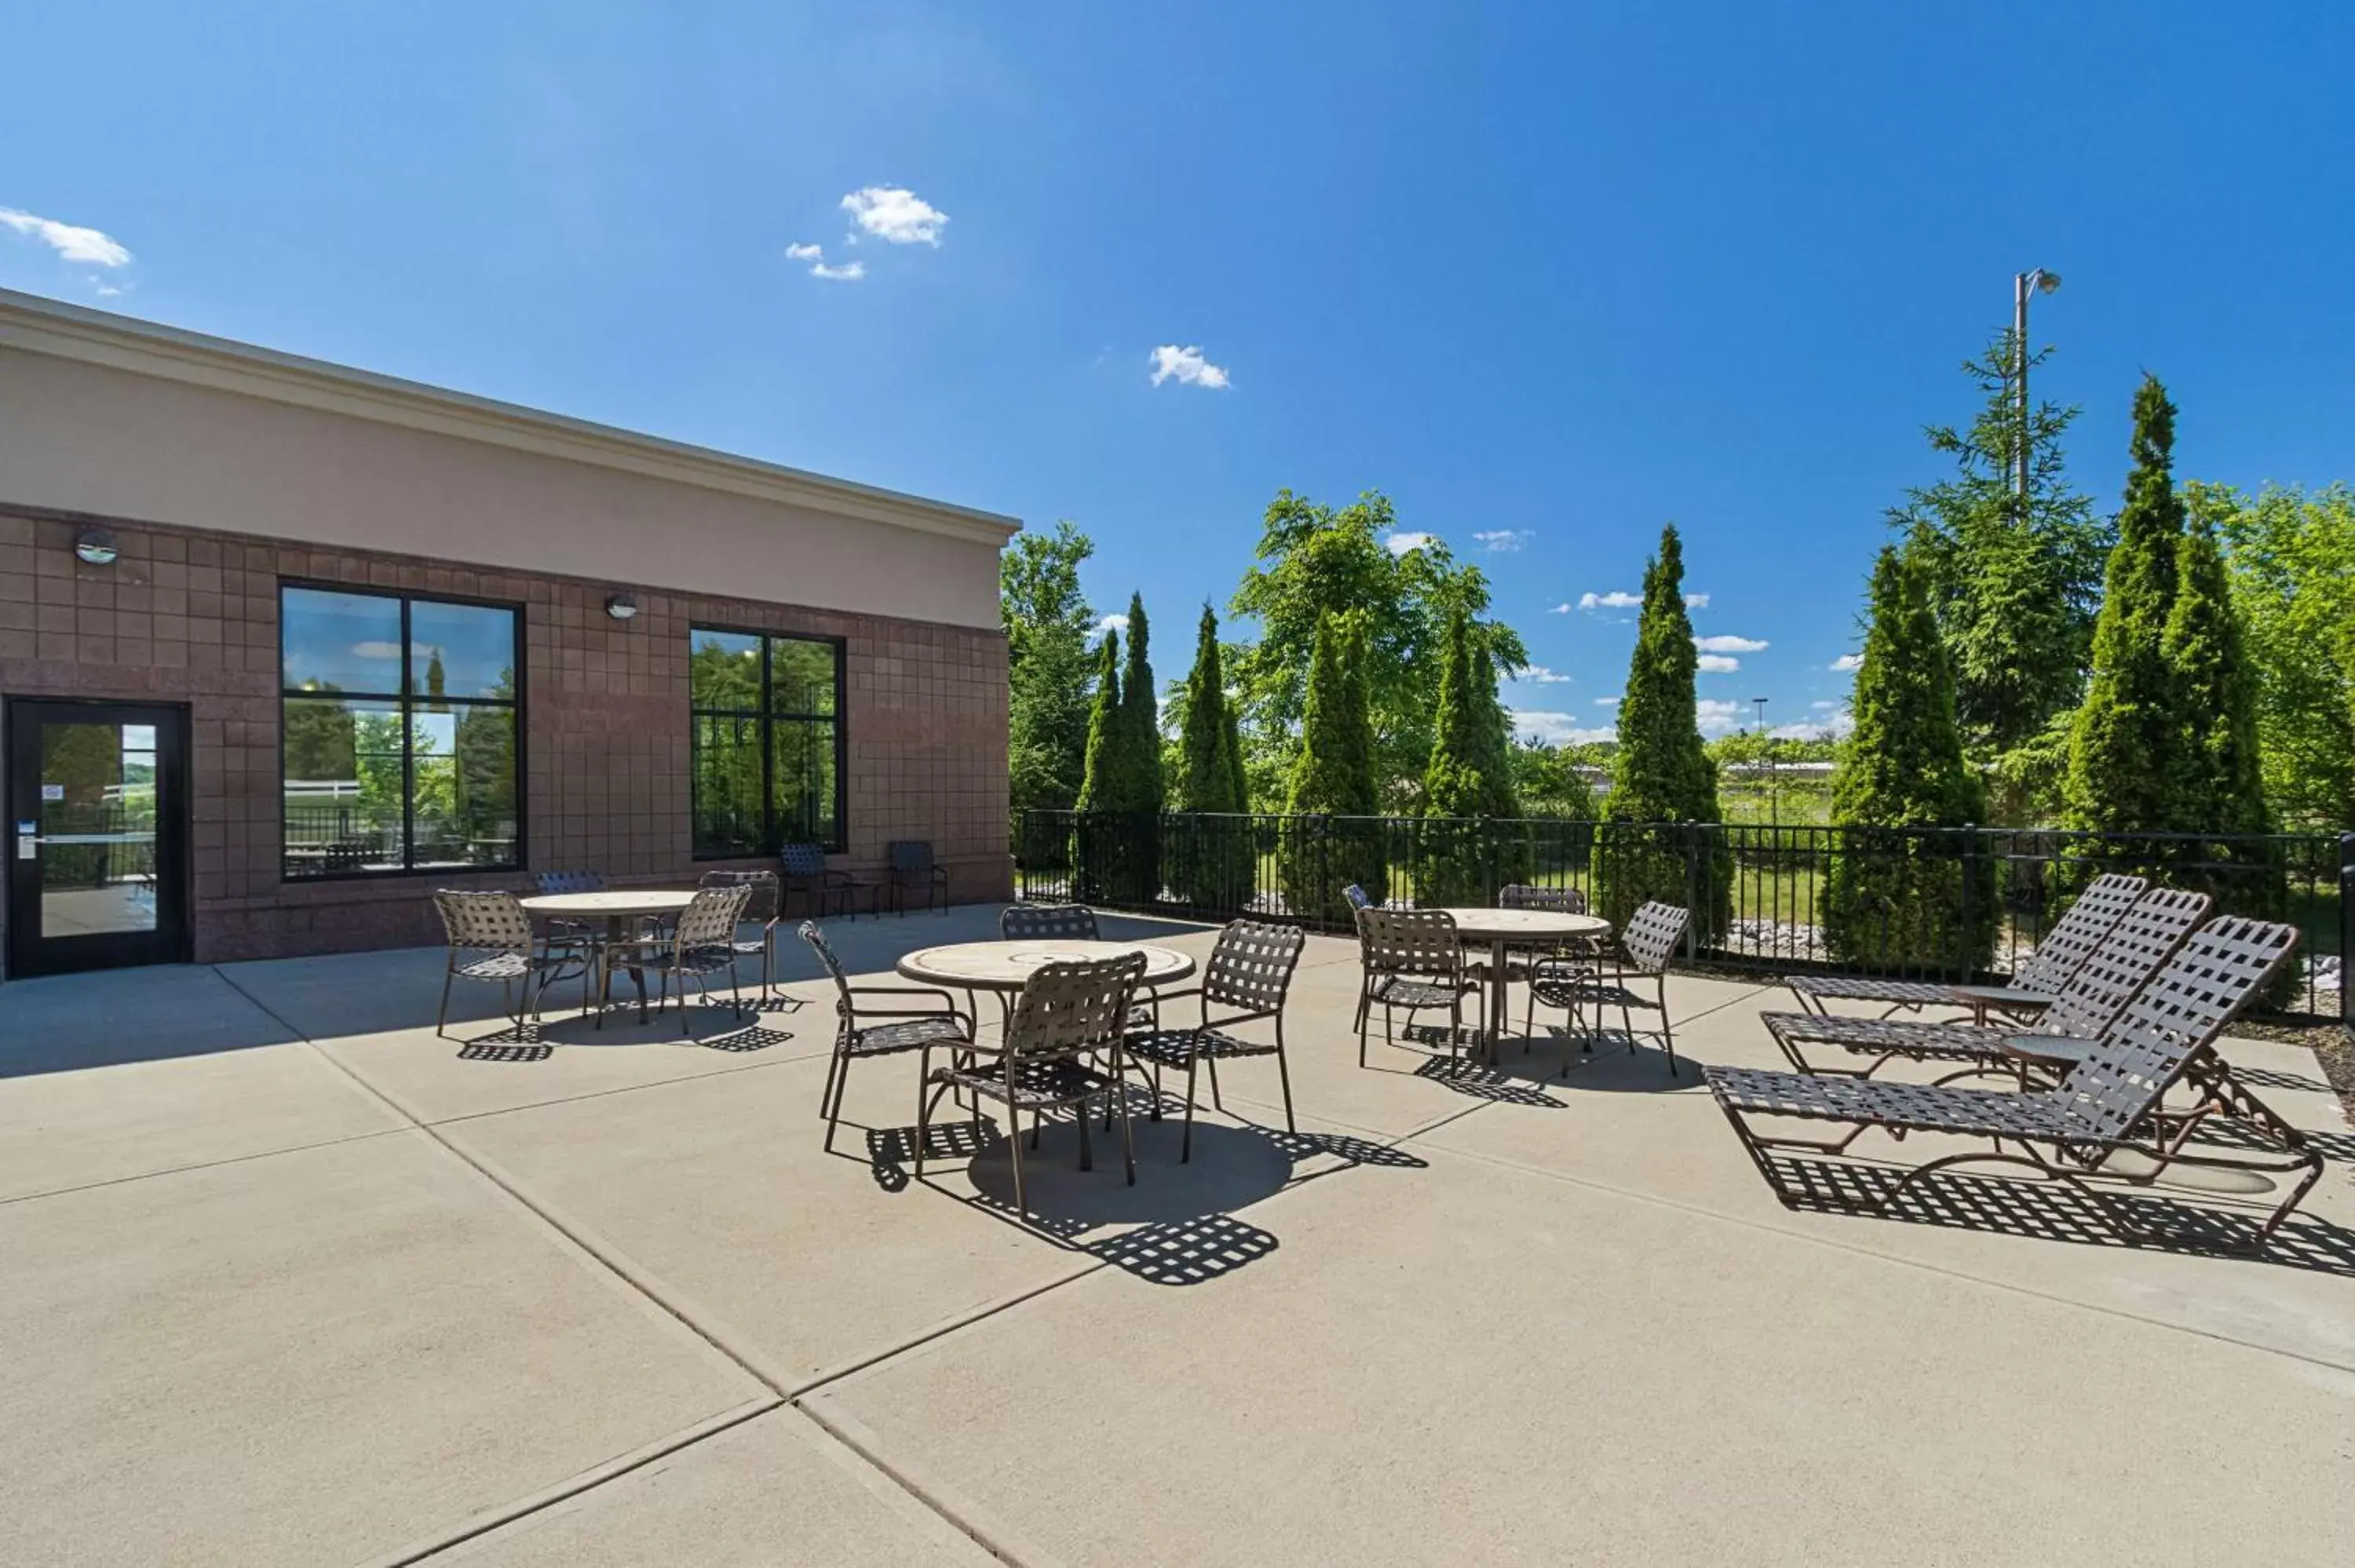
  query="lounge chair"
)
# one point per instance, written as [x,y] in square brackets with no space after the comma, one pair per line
[2109,1102]
[2133,950]
[2034,983]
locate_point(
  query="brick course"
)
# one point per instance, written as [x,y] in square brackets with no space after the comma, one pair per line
[191,618]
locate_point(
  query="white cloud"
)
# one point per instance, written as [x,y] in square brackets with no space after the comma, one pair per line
[1401,544]
[71,243]
[1560,609]
[1556,729]
[1718,716]
[1606,701]
[1723,644]
[846,273]
[901,217]
[1111,623]
[1718,664]
[1539,675]
[1825,708]
[1617,599]
[1187,367]
[1847,662]
[1505,538]
[1696,602]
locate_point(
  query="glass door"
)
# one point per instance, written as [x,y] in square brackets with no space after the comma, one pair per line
[97,836]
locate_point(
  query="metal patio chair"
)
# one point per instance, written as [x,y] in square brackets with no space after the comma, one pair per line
[1641,954]
[1068,923]
[2034,982]
[1413,958]
[2109,1102]
[1558,963]
[2121,964]
[803,867]
[910,866]
[872,1022]
[491,939]
[1250,972]
[764,906]
[701,945]
[1067,1016]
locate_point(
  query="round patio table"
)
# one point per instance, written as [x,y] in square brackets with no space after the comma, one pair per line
[613,908]
[1503,929]
[1005,967]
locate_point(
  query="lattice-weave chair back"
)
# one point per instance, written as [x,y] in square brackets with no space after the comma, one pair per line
[802,860]
[1410,941]
[2182,1010]
[1069,1007]
[1358,897]
[2075,935]
[1251,968]
[759,887]
[910,855]
[711,916]
[2123,963]
[484,922]
[1047,923]
[570,882]
[825,951]
[1652,935]
[1552,900]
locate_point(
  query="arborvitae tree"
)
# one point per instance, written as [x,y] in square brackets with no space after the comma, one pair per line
[1098,864]
[2221,786]
[1332,777]
[1470,777]
[2125,749]
[1894,898]
[1214,852]
[1141,732]
[1662,772]
[2223,789]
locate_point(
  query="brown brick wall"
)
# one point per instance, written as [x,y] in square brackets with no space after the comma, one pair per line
[189,617]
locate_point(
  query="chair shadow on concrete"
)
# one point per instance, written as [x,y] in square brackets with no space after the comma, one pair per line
[2144,1220]
[709,1028]
[1176,1227]
[1500,1085]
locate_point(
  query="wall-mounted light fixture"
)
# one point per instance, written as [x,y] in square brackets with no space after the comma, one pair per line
[95,547]
[621,605]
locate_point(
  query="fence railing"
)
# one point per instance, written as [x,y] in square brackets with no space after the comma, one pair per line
[1933,903]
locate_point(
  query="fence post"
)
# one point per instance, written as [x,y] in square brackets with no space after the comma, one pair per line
[1969,864]
[1692,884]
[2346,929]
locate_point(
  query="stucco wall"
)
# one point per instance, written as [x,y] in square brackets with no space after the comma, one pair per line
[90,438]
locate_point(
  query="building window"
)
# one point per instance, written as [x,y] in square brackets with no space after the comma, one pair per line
[401,723]
[766,742]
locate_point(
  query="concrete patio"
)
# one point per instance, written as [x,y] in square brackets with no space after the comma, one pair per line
[290,1280]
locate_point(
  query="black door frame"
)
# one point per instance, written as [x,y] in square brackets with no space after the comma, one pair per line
[172,940]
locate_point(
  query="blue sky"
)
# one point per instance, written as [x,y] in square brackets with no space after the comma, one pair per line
[1551,273]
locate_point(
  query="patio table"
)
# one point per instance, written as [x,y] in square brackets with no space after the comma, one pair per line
[614,907]
[1005,967]
[1504,930]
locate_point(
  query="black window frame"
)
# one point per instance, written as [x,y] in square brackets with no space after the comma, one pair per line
[408,704]
[772,835]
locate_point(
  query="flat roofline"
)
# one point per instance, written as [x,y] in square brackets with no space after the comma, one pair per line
[38,326]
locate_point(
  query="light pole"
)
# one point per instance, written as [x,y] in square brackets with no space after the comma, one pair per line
[1766,749]
[2035,281]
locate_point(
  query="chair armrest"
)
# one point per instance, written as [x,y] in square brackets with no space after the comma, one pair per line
[859,990]
[1209,1022]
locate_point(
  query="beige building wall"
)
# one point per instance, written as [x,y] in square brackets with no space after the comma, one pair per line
[108,418]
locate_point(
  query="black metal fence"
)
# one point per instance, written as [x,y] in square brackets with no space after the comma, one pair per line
[1944,903]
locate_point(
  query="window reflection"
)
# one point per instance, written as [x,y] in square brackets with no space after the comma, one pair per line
[764,742]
